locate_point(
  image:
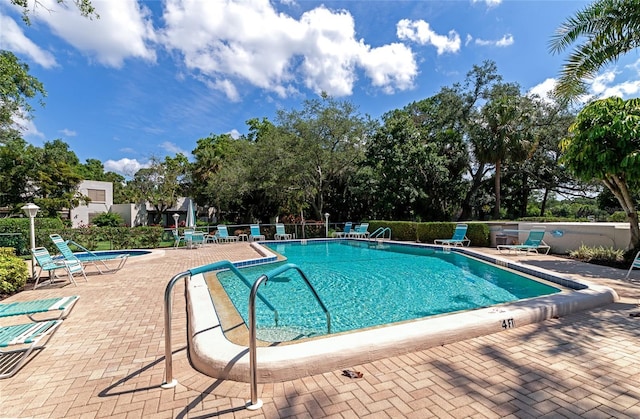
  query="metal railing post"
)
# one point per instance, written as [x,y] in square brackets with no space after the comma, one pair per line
[169,381]
[255,403]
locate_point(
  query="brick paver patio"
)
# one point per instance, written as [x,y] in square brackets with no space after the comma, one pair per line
[106,360]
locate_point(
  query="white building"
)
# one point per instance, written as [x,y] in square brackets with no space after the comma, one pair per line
[101,194]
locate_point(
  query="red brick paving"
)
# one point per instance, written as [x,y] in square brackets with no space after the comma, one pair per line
[106,360]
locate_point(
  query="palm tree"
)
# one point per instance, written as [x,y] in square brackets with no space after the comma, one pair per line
[611,29]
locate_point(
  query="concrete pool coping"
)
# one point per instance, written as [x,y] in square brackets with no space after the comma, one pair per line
[212,354]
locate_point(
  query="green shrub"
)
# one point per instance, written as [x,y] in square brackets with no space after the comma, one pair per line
[599,255]
[13,272]
[108,219]
[617,217]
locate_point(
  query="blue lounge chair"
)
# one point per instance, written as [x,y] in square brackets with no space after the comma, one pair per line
[533,243]
[281,233]
[177,239]
[47,263]
[459,237]
[223,235]
[21,340]
[634,264]
[197,239]
[87,257]
[360,231]
[60,306]
[345,232]
[255,233]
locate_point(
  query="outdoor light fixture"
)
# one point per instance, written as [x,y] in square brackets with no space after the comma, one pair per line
[31,210]
[176,216]
[326,224]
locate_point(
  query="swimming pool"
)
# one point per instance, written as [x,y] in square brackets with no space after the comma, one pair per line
[112,254]
[364,286]
[213,354]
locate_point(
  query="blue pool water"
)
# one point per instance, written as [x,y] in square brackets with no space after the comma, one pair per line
[112,253]
[364,287]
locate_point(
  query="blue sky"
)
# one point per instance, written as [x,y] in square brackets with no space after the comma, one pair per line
[150,78]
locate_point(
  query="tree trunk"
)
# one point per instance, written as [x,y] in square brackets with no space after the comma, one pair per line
[543,205]
[620,190]
[466,206]
[496,210]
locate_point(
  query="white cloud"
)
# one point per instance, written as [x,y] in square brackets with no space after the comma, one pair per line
[544,90]
[419,31]
[235,134]
[505,41]
[124,166]
[600,83]
[237,42]
[13,39]
[26,126]
[489,3]
[170,147]
[124,29]
[68,133]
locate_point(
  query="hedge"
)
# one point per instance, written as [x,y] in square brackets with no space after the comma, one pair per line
[478,233]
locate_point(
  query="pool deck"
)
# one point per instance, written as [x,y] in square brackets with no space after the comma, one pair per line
[107,359]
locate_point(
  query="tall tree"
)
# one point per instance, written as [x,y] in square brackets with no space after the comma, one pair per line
[53,185]
[610,28]
[331,137]
[604,144]
[161,184]
[16,88]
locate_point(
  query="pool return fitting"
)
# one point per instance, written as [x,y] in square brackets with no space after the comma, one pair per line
[255,403]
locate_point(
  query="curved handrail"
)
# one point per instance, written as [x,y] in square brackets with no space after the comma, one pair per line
[256,403]
[287,266]
[168,355]
[380,231]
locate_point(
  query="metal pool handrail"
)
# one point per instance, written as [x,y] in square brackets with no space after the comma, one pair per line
[380,231]
[256,403]
[170,382]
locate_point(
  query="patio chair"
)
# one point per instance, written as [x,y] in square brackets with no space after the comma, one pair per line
[255,233]
[47,263]
[459,237]
[281,233]
[177,239]
[634,264]
[88,257]
[60,306]
[533,243]
[360,231]
[197,239]
[22,339]
[345,232]
[223,235]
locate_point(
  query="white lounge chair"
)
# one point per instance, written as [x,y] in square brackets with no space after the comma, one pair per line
[634,264]
[57,308]
[18,341]
[281,234]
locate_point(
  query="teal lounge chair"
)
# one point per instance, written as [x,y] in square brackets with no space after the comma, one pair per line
[281,233]
[255,233]
[360,231]
[60,306]
[177,239]
[345,232]
[18,341]
[223,235]
[87,257]
[459,237]
[533,243]
[47,263]
[634,264]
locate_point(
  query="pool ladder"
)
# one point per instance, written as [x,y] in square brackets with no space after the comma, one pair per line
[380,233]
[254,403]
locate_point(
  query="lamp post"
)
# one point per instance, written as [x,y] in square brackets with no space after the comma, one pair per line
[326,224]
[31,210]
[176,216]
